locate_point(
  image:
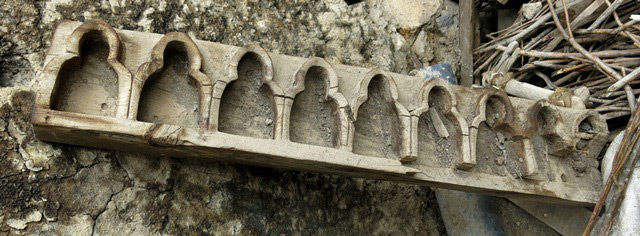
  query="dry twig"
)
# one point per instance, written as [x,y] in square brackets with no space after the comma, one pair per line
[603,56]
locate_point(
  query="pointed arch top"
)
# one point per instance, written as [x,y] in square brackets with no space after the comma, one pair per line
[363,92]
[505,120]
[51,70]
[231,66]
[428,86]
[74,42]
[156,62]
[550,113]
[330,81]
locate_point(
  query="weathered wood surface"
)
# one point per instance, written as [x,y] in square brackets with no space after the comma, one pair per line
[170,95]
[467,30]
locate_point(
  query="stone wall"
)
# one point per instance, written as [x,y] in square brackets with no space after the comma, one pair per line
[60,189]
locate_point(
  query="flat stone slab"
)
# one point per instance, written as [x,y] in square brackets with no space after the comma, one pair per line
[171,95]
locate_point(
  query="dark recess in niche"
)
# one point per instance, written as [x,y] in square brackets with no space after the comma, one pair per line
[585,126]
[439,99]
[87,84]
[171,96]
[495,152]
[434,150]
[494,111]
[312,116]
[546,121]
[377,128]
[246,107]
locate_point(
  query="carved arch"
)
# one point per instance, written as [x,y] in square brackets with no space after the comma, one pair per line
[506,117]
[331,81]
[586,128]
[230,74]
[340,104]
[402,116]
[503,123]
[75,40]
[425,91]
[450,111]
[363,92]
[596,120]
[50,81]
[550,115]
[231,67]
[156,64]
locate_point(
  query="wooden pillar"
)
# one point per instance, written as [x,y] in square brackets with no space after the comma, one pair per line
[467,16]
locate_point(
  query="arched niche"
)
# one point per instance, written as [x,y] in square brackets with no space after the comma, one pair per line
[587,132]
[88,78]
[442,133]
[492,145]
[380,121]
[544,121]
[586,128]
[249,99]
[544,118]
[318,110]
[170,88]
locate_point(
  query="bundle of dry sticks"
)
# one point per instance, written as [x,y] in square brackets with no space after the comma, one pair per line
[581,43]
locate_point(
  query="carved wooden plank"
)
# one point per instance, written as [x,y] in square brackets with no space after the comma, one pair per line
[171,95]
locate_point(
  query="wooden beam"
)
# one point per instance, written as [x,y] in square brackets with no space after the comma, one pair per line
[467,16]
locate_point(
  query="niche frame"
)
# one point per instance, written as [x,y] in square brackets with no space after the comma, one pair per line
[598,122]
[50,77]
[402,114]
[554,132]
[549,112]
[464,160]
[503,124]
[156,64]
[230,74]
[340,104]
[599,126]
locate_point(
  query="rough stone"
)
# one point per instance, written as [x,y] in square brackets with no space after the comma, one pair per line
[408,14]
[128,213]
[77,225]
[437,41]
[529,10]
[35,216]
[146,172]
[81,183]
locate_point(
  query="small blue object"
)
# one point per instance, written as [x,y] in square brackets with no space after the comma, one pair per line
[443,71]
